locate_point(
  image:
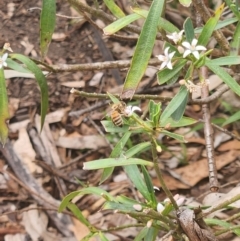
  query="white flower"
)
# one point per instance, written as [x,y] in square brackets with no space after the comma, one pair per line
[176,37]
[166,58]
[3,60]
[130,109]
[160,207]
[192,48]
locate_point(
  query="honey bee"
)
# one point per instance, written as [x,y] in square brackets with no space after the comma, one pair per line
[117,113]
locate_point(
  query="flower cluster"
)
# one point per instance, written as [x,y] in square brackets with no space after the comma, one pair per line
[185,48]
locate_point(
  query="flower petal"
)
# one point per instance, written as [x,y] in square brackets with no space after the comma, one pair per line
[166,51]
[169,65]
[186,45]
[171,55]
[163,65]
[200,47]
[196,54]
[186,53]
[161,57]
[4,57]
[194,42]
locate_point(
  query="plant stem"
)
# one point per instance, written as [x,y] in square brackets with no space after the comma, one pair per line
[160,177]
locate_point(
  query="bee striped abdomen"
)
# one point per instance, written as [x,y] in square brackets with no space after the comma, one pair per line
[116,118]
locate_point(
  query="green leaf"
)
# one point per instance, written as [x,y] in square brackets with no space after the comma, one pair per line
[75,210]
[114,162]
[188,29]
[137,149]
[120,23]
[47,24]
[220,24]
[141,234]
[174,104]
[4,114]
[232,118]
[126,200]
[88,190]
[102,237]
[215,222]
[154,112]
[151,234]
[174,136]
[113,98]
[119,206]
[228,60]
[210,26]
[16,66]
[234,7]
[136,177]
[113,7]
[117,151]
[110,127]
[227,79]
[168,74]
[178,113]
[149,184]
[185,121]
[143,50]
[163,23]
[235,44]
[42,82]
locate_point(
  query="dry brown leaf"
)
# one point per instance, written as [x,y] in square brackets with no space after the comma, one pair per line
[230,145]
[85,142]
[196,171]
[80,230]
[24,150]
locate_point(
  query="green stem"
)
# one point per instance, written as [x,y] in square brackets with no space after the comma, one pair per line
[160,177]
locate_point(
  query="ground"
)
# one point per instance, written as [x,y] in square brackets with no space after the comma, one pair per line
[53,159]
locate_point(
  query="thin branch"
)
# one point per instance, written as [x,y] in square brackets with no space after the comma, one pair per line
[224,130]
[95,66]
[160,176]
[209,134]
[105,96]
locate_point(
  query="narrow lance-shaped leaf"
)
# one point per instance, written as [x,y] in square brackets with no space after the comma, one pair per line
[227,79]
[220,24]
[114,162]
[235,44]
[143,50]
[120,23]
[228,60]
[209,27]
[4,114]
[113,7]
[174,104]
[163,23]
[42,82]
[116,152]
[188,29]
[136,177]
[47,24]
